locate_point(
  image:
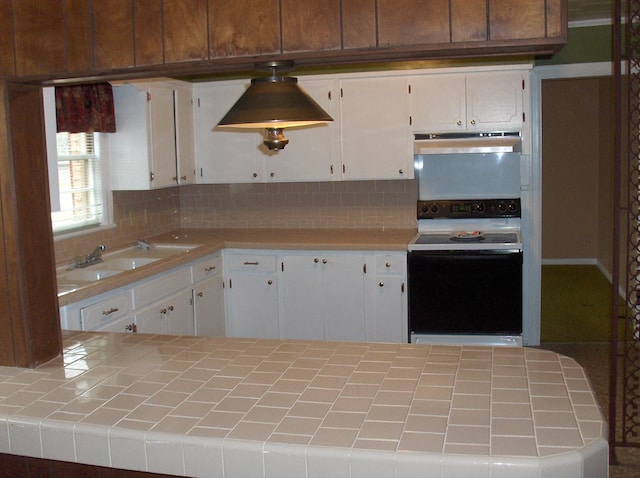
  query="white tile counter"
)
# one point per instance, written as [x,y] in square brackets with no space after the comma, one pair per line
[268,408]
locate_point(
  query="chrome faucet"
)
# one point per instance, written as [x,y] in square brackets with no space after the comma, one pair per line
[142,244]
[94,257]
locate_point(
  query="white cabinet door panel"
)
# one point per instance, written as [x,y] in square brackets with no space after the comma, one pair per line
[208,307]
[301,315]
[253,307]
[376,135]
[224,155]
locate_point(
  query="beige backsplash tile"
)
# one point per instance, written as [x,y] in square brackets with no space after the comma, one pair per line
[340,205]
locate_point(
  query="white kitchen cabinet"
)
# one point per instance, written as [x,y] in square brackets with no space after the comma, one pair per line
[153,144]
[386,311]
[208,297]
[104,313]
[252,295]
[224,155]
[312,153]
[468,102]
[171,315]
[323,296]
[376,139]
[163,304]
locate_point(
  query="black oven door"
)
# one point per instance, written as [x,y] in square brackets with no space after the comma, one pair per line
[465,292]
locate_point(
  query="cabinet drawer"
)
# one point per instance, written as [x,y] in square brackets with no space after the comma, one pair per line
[207,268]
[164,285]
[252,262]
[390,264]
[105,312]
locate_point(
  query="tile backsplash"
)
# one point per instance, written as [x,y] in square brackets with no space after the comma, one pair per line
[342,205]
[350,204]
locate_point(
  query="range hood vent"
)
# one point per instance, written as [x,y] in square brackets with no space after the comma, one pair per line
[456,143]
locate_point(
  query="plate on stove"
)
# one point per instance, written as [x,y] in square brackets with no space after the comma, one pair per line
[466,236]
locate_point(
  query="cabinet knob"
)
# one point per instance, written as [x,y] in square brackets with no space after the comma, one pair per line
[324,261]
[184,178]
[316,260]
[175,178]
[380,284]
[255,175]
[387,264]
[272,175]
[200,294]
[473,122]
[269,282]
[131,328]
[401,171]
[459,123]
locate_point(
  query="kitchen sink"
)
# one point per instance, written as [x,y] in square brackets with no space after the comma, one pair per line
[117,262]
[87,275]
[128,263]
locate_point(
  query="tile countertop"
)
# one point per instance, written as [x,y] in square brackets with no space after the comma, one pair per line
[224,407]
[213,240]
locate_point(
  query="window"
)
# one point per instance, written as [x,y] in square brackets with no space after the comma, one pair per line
[80,196]
[79,181]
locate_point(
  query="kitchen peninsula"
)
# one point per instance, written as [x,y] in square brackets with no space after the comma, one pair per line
[203,406]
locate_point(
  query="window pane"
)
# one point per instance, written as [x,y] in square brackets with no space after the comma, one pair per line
[79,182]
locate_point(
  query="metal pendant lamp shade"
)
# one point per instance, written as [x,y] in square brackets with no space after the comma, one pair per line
[274,103]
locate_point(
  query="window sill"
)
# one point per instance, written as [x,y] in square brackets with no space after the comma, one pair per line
[82,232]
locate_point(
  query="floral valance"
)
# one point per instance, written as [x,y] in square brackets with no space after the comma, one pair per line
[85,108]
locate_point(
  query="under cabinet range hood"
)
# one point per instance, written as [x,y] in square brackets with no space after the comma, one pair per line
[456,143]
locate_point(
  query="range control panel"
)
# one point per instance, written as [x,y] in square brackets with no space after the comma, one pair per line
[469,209]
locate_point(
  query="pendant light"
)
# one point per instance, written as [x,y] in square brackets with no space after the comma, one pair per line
[274,103]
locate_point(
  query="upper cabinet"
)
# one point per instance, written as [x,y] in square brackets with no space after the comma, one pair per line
[153,146]
[223,155]
[482,102]
[375,133]
[230,156]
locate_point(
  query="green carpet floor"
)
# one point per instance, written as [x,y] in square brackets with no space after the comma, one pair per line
[576,303]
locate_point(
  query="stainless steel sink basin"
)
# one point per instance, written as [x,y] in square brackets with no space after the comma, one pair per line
[87,275]
[117,262]
[128,263]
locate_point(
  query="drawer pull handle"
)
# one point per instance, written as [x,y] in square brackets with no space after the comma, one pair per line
[110,311]
[210,268]
[249,263]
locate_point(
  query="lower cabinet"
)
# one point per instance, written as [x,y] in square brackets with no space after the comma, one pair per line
[171,315]
[309,295]
[323,296]
[252,295]
[316,295]
[184,301]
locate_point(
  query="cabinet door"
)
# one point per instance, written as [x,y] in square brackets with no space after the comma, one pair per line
[129,149]
[343,297]
[179,313]
[185,147]
[312,150]
[302,308]
[208,307]
[171,315]
[224,156]
[162,136]
[376,136]
[384,319]
[438,103]
[495,101]
[253,305]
